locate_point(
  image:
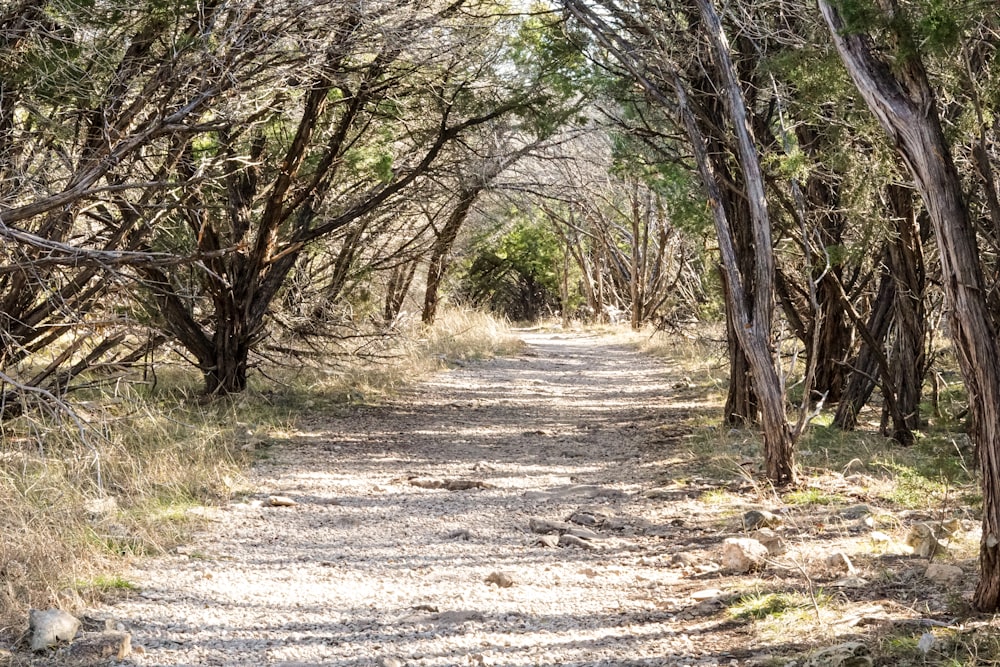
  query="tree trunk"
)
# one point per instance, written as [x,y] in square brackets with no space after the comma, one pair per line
[564,288]
[741,402]
[906,106]
[635,260]
[753,334]
[232,349]
[822,191]
[397,289]
[754,330]
[864,368]
[442,248]
[906,266]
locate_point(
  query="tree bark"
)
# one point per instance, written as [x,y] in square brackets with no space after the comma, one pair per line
[906,265]
[864,368]
[754,331]
[905,105]
[395,292]
[741,402]
[822,192]
[442,248]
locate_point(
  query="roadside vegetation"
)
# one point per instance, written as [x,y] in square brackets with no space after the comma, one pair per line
[860,495]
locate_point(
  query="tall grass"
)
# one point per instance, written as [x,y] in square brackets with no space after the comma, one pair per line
[76,504]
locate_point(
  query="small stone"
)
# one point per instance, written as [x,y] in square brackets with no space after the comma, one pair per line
[585,519]
[950,527]
[459,534]
[756,519]
[50,627]
[880,537]
[548,541]
[99,648]
[501,579]
[684,558]
[743,554]
[946,575]
[583,533]
[706,594]
[855,512]
[922,540]
[390,662]
[545,527]
[773,542]
[465,484]
[574,541]
[280,501]
[839,563]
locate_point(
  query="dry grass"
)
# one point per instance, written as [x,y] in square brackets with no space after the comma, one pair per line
[797,604]
[76,504]
[457,336]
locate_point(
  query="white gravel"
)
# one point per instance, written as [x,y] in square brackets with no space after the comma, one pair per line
[367,569]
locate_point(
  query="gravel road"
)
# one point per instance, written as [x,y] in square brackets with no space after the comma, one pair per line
[411,539]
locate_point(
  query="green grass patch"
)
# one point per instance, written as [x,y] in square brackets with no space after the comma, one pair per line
[910,489]
[720,497]
[950,648]
[107,583]
[812,496]
[758,606]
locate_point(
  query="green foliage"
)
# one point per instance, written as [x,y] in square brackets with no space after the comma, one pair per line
[107,583]
[911,488]
[550,60]
[516,275]
[932,26]
[812,496]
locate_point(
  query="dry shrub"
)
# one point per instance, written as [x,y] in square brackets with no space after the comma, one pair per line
[460,334]
[416,350]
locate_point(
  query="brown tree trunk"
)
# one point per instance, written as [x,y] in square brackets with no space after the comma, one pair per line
[741,402]
[636,258]
[864,368]
[823,195]
[906,106]
[754,330]
[397,289]
[906,266]
[228,375]
[442,248]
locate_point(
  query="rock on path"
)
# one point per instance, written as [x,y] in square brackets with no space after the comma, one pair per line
[364,568]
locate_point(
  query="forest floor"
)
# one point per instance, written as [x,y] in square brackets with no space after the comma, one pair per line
[414,533]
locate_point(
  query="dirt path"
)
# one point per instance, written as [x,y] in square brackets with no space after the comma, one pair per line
[369,569]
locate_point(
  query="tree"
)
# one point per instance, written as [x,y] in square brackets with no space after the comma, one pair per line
[549,63]
[901,96]
[97,106]
[363,117]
